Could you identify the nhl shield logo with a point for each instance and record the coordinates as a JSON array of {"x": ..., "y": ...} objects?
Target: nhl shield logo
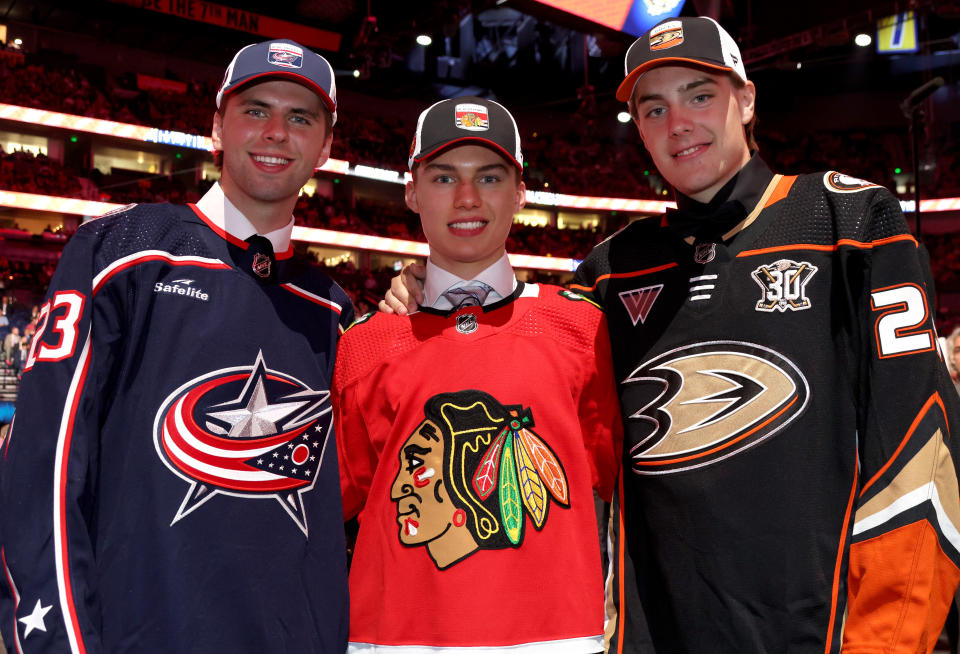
[
  {"x": 784, "y": 285},
  {"x": 247, "y": 432},
  {"x": 261, "y": 265},
  {"x": 467, "y": 323}
]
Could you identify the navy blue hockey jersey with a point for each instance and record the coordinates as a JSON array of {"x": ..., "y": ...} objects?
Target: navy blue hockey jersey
[{"x": 170, "y": 484}]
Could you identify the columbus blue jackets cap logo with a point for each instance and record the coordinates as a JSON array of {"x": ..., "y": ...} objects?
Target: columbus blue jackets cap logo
[
  {"x": 247, "y": 432},
  {"x": 639, "y": 301},
  {"x": 840, "y": 183},
  {"x": 784, "y": 285},
  {"x": 665, "y": 36},
  {"x": 473, "y": 117},
  {"x": 700, "y": 404},
  {"x": 286, "y": 55}
]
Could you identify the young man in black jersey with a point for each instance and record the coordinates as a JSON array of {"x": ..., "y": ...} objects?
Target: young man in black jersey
[{"x": 785, "y": 488}]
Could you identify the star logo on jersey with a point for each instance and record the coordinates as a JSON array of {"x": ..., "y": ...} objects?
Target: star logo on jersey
[
  {"x": 784, "y": 285},
  {"x": 639, "y": 301},
  {"x": 247, "y": 432},
  {"x": 700, "y": 404},
  {"x": 36, "y": 619}
]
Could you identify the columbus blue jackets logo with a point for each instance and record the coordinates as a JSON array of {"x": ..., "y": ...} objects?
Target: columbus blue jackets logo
[
  {"x": 700, "y": 404},
  {"x": 285, "y": 54},
  {"x": 248, "y": 432}
]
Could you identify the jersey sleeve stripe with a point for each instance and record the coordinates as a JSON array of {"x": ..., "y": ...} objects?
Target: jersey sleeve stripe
[
  {"x": 838, "y": 566},
  {"x": 61, "y": 463},
  {"x": 16, "y": 600},
  {"x": 636, "y": 273},
  {"x": 137, "y": 258},
  {"x": 830, "y": 248},
  {"x": 316, "y": 299},
  {"x": 934, "y": 399}
]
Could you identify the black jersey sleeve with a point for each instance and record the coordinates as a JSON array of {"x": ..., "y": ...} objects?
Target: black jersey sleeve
[{"x": 905, "y": 547}]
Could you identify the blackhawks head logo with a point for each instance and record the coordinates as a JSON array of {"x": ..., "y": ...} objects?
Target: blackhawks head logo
[{"x": 469, "y": 476}]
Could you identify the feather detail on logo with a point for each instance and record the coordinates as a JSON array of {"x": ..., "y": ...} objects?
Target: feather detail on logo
[
  {"x": 510, "y": 510},
  {"x": 551, "y": 472},
  {"x": 485, "y": 478},
  {"x": 531, "y": 487}
]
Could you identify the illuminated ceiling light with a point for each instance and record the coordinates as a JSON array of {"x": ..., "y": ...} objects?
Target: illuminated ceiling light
[
  {"x": 424, "y": 40},
  {"x": 799, "y": 65},
  {"x": 356, "y": 72},
  {"x": 863, "y": 40},
  {"x": 623, "y": 117},
  {"x": 18, "y": 41}
]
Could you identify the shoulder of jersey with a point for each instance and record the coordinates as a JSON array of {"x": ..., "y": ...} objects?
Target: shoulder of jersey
[
  {"x": 570, "y": 300},
  {"x": 370, "y": 340},
  {"x": 837, "y": 182},
  {"x": 648, "y": 225}
]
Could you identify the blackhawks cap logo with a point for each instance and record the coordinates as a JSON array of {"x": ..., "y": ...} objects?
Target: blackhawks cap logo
[{"x": 473, "y": 117}]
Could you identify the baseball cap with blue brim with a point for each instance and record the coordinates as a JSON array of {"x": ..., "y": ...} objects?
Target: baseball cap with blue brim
[
  {"x": 689, "y": 40},
  {"x": 465, "y": 120},
  {"x": 284, "y": 59}
]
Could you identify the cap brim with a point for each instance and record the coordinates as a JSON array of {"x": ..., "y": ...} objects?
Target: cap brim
[
  {"x": 436, "y": 149},
  {"x": 300, "y": 79},
  {"x": 625, "y": 90}
]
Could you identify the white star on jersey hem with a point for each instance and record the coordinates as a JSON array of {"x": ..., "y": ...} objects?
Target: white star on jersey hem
[{"x": 35, "y": 619}]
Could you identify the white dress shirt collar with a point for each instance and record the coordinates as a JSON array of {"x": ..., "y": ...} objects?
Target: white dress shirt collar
[
  {"x": 227, "y": 218},
  {"x": 499, "y": 276}
]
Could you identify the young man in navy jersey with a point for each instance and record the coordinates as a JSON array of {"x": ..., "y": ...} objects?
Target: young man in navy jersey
[{"x": 170, "y": 483}]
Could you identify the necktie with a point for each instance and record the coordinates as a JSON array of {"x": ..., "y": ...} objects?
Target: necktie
[
  {"x": 471, "y": 294},
  {"x": 261, "y": 259}
]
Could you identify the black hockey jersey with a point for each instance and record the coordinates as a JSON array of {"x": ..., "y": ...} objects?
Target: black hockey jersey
[
  {"x": 788, "y": 484},
  {"x": 170, "y": 483}
]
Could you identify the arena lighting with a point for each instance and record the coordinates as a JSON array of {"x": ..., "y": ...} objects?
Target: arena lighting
[
  {"x": 356, "y": 72},
  {"x": 623, "y": 117},
  {"x": 424, "y": 40},
  {"x": 863, "y": 39}
]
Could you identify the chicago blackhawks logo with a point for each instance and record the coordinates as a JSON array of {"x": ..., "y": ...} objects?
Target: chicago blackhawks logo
[
  {"x": 469, "y": 476},
  {"x": 784, "y": 285},
  {"x": 700, "y": 404},
  {"x": 248, "y": 432}
]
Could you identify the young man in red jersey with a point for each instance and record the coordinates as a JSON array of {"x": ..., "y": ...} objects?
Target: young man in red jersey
[{"x": 472, "y": 433}]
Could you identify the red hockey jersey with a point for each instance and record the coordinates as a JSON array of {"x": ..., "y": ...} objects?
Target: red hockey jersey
[{"x": 469, "y": 443}]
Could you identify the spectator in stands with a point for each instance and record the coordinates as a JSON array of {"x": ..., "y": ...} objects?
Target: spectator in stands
[{"x": 10, "y": 343}]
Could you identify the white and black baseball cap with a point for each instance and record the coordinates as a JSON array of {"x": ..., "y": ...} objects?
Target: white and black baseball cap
[
  {"x": 695, "y": 40},
  {"x": 464, "y": 120},
  {"x": 286, "y": 59}
]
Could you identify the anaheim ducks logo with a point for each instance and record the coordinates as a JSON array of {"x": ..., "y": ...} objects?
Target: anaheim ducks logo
[
  {"x": 703, "y": 403},
  {"x": 247, "y": 432},
  {"x": 840, "y": 183}
]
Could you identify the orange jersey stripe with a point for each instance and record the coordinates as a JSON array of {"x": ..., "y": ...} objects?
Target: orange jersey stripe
[
  {"x": 635, "y": 273},
  {"x": 830, "y": 248}
]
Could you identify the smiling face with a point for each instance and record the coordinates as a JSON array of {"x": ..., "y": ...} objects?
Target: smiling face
[
  {"x": 691, "y": 121},
  {"x": 466, "y": 197},
  {"x": 273, "y": 136}
]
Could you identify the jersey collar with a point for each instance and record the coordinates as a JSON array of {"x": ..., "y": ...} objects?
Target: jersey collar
[{"x": 223, "y": 217}]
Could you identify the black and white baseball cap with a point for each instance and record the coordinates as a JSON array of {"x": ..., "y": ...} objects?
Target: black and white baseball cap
[
  {"x": 460, "y": 121},
  {"x": 286, "y": 59},
  {"x": 696, "y": 40}
]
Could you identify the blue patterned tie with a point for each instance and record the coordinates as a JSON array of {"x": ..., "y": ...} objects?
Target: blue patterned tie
[{"x": 470, "y": 294}]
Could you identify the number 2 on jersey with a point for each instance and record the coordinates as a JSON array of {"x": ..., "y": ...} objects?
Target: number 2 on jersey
[
  {"x": 65, "y": 326},
  {"x": 899, "y": 328}
]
